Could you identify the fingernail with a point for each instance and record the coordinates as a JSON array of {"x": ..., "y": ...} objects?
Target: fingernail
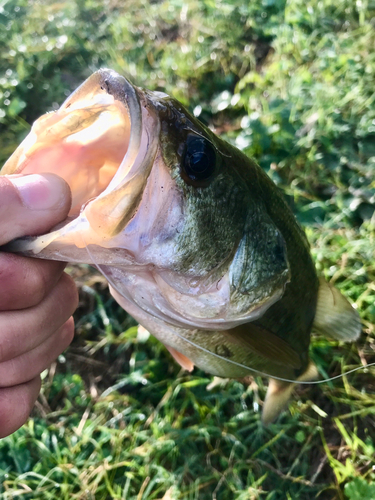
[{"x": 41, "y": 191}]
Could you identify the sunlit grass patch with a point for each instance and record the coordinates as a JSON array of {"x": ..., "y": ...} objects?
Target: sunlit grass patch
[{"x": 291, "y": 83}]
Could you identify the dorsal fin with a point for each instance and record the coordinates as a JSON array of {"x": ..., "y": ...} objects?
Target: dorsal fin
[
  {"x": 335, "y": 317},
  {"x": 265, "y": 343}
]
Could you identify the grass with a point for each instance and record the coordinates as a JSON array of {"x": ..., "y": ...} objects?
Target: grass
[{"x": 291, "y": 83}]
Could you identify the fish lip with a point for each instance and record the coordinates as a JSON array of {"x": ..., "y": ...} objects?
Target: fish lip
[
  {"x": 110, "y": 203},
  {"x": 121, "y": 89},
  {"x": 124, "y": 91},
  {"x": 138, "y": 160},
  {"x": 116, "y": 85}
]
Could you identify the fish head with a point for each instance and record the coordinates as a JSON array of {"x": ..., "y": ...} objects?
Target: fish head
[{"x": 160, "y": 205}]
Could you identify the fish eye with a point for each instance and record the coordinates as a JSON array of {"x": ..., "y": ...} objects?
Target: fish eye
[{"x": 198, "y": 161}]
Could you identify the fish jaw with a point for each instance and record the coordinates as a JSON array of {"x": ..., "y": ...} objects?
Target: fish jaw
[{"x": 102, "y": 141}]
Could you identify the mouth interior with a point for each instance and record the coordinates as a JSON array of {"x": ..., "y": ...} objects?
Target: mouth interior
[{"x": 83, "y": 142}]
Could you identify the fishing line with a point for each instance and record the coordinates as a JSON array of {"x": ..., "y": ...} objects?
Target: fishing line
[
  {"x": 227, "y": 360},
  {"x": 263, "y": 374}
]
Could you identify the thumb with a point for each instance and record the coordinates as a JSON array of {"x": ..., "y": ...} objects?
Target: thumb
[{"x": 31, "y": 204}]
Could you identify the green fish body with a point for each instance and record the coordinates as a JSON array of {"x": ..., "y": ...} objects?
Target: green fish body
[{"x": 195, "y": 240}]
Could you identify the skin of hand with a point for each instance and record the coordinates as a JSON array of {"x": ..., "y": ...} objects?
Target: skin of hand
[{"x": 37, "y": 299}]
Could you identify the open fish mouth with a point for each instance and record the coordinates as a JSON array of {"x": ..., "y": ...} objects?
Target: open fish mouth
[{"x": 101, "y": 142}]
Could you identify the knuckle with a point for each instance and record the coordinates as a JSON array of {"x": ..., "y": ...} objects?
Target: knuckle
[
  {"x": 41, "y": 277},
  {"x": 25, "y": 282},
  {"x": 62, "y": 302},
  {"x": 36, "y": 283},
  {"x": 9, "y": 193},
  {"x": 6, "y": 267},
  {"x": 10, "y": 268},
  {"x": 10, "y": 203},
  {"x": 8, "y": 343},
  {"x": 16, "y": 404},
  {"x": 6, "y": 412},
  {"x": 67, "y": 333},
  {"x": 70, "y": 293},
  {"x": 9, "y": 373}
]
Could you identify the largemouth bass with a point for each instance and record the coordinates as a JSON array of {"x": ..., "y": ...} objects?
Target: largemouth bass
[{"x": 195, "y": 240}]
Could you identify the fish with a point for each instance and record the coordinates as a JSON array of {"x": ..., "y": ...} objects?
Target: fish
[{"x": 196, "y": 241}]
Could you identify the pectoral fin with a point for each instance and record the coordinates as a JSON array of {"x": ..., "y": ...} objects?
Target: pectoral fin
[
  {"x": 335, "y": 317},
  {"x": 279, "y": 392},
  {"x": 265, "y": 344},
  {"x": 181, "y": 359}
]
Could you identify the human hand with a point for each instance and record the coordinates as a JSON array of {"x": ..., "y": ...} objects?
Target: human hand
[{"x": 37, "y": 298}]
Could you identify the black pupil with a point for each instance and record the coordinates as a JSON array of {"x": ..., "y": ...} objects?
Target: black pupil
[{"x": 199, "y": 158}]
